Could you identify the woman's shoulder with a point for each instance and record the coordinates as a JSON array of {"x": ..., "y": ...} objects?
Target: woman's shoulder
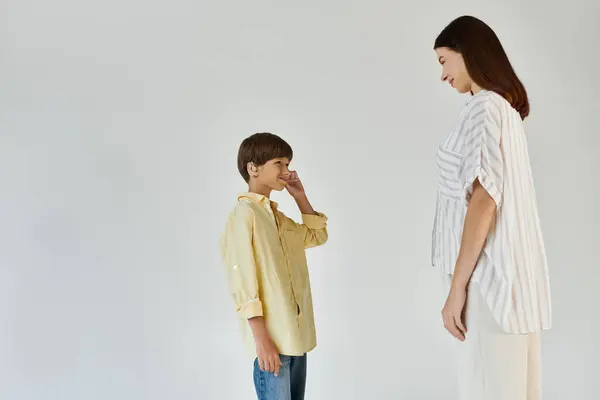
[
  {"x": 487, "y": 98},
  {"x": 487, "y": 102}
]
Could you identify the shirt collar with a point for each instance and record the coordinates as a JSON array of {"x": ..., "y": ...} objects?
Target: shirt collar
[
  {"x": 258, "y": 198},
  {"x": 472, "y": 96}
]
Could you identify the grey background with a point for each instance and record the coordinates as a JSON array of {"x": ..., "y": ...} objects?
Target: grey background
[{"x": 119, "y": 126}]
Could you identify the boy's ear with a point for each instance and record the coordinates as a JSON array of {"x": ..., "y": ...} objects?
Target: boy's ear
[{"x": 252, "y": 170}]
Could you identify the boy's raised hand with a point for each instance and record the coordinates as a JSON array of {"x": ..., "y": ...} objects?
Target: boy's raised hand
[{"x": 293, "y": 184}]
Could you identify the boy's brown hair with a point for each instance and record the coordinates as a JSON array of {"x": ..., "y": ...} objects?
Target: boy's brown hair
[{"x": 260, "y": 148}]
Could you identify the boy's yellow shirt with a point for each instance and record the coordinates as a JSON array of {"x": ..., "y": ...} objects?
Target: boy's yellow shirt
[{"x": 263, "y": 253}]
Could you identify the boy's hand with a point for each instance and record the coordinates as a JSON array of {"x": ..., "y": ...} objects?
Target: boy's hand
[
  {"x": 293, "y": 184},
  {"x": 266, "y": 351},
  {"x": 268, "y": 356}
]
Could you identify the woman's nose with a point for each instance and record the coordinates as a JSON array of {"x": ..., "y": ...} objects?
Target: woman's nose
[{"x": 444, "y": 76}]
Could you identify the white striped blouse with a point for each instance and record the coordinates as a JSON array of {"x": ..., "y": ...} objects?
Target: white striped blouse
[{"x": 489, "y": 144}]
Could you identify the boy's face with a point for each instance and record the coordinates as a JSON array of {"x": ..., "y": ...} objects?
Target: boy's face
[{"x": 270, "y": 173}]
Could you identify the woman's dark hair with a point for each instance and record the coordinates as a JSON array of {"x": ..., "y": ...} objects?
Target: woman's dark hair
[{"x": 485, "y": 59}]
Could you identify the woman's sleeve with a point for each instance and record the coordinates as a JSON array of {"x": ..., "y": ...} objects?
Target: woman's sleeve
[{"x": 483, "y": 159}]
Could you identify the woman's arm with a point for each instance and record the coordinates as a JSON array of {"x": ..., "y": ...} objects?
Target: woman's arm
[{"x": 478, "y": 221}]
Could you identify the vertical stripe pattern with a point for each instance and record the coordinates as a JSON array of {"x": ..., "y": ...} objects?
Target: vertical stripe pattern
[{"x": 489, "y": 144}]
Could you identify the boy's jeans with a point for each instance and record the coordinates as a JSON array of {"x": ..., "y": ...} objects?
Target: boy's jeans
[{"x": 290, "y": 383}]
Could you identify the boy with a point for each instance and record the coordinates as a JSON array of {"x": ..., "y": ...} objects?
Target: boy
[{"x": 265, "y": 263}]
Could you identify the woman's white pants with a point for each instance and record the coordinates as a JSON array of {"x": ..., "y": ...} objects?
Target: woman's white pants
[{"x": 492, "y": 364}]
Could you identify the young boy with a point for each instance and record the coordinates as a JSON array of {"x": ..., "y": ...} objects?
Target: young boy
[{"x": 265, "y": 263}]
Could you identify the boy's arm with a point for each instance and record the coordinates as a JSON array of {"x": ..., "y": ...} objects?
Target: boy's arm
[
  {"x": 240, "y": 264},
  {"x": 314, "y": 224},
  {"x": 304, "y": 205},
  {"x": 268, "y": 355}
]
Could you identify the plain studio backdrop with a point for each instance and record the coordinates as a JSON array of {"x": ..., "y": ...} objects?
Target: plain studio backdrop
[{"x": 119, "y": 127}]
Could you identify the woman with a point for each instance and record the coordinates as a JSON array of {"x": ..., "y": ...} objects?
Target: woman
[{"x": 487, "y": 239}]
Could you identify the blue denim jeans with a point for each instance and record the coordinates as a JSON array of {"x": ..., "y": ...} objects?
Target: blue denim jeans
[{"x": 288, "y": 385}]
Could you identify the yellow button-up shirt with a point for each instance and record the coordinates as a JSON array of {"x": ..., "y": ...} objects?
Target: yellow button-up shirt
[{"x": 264, "y": 257}]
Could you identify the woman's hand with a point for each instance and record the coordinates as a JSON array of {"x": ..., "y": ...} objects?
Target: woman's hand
[{"x": 452, "y": 312}]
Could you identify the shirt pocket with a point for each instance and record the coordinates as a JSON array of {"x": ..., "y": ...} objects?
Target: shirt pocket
[{"x": 448, "y": 163}]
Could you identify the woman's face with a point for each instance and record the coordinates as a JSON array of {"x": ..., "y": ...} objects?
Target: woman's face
[{"x": 454, "y": 70}]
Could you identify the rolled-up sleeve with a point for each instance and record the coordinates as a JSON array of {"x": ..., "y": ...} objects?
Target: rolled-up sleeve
[
  {"x": 314, "y": 229},
  {"x": 239, "y": 262},
  {"x": 483, "y": 159}
]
